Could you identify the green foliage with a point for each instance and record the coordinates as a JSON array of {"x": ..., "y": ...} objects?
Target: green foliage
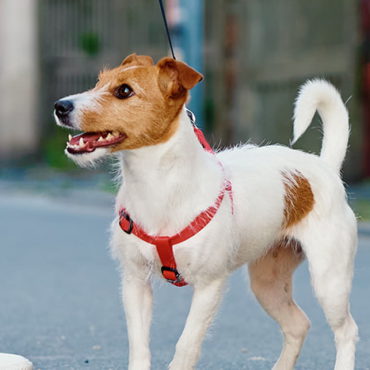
[
  {"x": 53, "y": 151},
  {"x": 361, "y": 207},
  {"x": 90, "y": 43}
]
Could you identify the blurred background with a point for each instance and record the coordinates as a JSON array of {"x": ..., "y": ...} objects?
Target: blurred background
[{"x": 254, "y": 54}]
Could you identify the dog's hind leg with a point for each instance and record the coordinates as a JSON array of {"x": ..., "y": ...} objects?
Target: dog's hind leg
[
  {"x": 330, "y": 253},
  {"x": 271, "y": 282},
  {"x": 206, "y": 298}
]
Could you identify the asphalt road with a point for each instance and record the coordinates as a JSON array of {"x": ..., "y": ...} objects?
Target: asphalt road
[{"x": 60, "y": 301}]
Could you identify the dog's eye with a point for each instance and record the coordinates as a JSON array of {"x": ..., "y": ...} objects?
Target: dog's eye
[{"x": 123, "y": 92}]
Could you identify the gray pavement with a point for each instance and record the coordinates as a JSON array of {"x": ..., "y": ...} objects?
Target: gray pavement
[{"x": 60, "y": 301}]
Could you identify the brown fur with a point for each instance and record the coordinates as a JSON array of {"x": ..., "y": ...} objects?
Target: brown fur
[
  {"x": 133, "y": 59},
  {"x": 299, "y": 198},
  {"x": 149, "y": 116}
]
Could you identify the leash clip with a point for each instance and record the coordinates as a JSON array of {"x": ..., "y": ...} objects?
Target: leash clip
[{"x": 191, "y": 116}]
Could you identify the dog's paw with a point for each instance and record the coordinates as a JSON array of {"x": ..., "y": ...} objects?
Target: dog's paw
[{"x": 139, "y": 365}]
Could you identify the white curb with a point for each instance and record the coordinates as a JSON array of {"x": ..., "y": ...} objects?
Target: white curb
[{"x": 14, "y": 362}]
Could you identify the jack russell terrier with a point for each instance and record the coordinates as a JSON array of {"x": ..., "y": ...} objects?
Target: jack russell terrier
[{"x": 193, "y": 216}]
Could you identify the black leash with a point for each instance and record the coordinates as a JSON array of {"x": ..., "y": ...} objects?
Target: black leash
[
  {"x": 166, "y": 26},
  {"x": 188, "y": 111}
]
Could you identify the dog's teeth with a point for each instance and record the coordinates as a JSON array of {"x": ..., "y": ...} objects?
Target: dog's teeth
[
  {"x": 109, "y": 137},
  {"x": 69, "y": 137},
  {"x": 81, "y": 142},
  {"x": 100, "y": 138},
  {"x": 115, "y": 133}
]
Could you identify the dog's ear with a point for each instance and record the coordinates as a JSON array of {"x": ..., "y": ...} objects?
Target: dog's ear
[
  {"x": 175, "y": 77},
  {"x": 138, "y": 60}
]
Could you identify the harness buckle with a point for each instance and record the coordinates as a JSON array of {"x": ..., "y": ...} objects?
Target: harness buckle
[
  {"x": 126, "y": 222},
  {"x": 171, "y": 275}
]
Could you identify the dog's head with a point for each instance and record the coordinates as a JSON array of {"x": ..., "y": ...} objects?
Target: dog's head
[{"x": 131, "y": 106}]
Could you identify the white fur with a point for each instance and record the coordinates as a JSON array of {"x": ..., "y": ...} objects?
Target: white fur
[
  {"x": 165, "y": 186},
  {"x": 87, "y": 159},
  {"x": 131, "y": 67},
  {"x": 322, "y": 96}
]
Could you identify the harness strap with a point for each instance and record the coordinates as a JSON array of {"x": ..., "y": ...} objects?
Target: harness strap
[
  {"x": 202, "y": 139},
  {"x": 164, "y": 244}
]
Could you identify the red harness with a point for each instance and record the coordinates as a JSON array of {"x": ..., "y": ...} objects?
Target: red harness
[{"x": 164, "y": 244}]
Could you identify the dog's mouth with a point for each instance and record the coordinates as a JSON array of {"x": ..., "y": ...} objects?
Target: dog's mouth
[{"x": 87, "y": 142}]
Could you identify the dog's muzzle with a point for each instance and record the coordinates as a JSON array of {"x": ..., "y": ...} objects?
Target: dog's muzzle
[{"x": 63, "y": 108}]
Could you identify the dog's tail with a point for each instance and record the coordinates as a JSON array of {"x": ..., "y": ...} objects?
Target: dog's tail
[{"x": 320, "y": 95}]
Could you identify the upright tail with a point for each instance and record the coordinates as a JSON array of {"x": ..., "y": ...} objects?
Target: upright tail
[{"x": 320, "y": 95}]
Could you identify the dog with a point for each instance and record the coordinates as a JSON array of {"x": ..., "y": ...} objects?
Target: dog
[{"x": 194, "y": 216}]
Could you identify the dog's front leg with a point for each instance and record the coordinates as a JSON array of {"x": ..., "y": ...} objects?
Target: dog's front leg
[
  {"x": 137, "y": 301},
  {"x": 206, "y": 298}
]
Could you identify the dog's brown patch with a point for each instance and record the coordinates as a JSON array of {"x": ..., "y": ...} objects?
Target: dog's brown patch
[
  {"x": 133, "y": 59},
  {"x": 149, "y": 116},
  {"x": 299, "y": 198}
]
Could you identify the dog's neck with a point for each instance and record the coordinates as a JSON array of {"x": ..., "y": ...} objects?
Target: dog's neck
[{"x": 166, "y": 185}]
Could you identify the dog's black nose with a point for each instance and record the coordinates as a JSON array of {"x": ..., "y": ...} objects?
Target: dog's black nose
[{"x": 63, "y": 108}]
